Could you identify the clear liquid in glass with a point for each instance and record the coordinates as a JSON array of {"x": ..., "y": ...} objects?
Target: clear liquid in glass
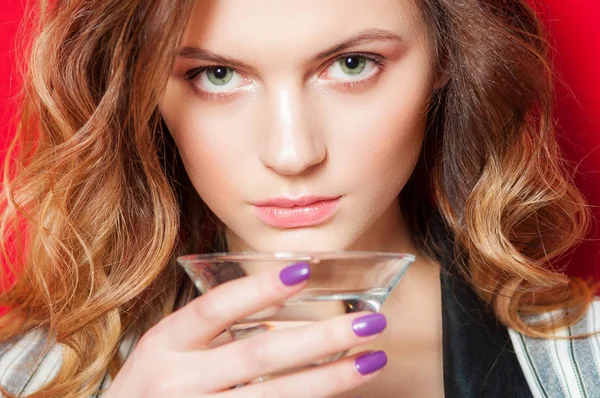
[{"x": 309, "y": 307}]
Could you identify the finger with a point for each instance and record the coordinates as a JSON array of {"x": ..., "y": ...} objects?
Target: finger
[
  {"x": 321, "y": 381},
  {"x": 277, "y": 351},
  {"x": 207, "y": 316},
  {"x": 220, "y": 340}
]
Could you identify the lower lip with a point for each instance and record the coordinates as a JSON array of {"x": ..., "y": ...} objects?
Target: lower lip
[{"x": 298, "y": 216}]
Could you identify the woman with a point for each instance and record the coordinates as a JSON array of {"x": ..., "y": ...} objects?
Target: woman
[{"x": 156, "y": 128}]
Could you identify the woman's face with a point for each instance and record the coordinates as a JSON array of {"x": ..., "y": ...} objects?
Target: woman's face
[{"x": 300, "y": 121}]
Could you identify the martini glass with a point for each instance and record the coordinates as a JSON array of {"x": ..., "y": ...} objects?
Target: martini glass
[{"x": 341, "y": 282}]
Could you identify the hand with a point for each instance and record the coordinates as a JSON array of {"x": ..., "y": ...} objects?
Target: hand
[{"x": 175, "y": 358}]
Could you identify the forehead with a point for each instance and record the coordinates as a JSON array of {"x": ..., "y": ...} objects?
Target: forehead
[{"x": 251, "y": 27}]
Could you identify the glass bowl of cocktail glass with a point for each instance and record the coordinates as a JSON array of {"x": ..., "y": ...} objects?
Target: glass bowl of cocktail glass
[{"x": 340, "y": 282}]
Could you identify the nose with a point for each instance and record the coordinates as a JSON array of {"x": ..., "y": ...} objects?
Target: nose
[{"x": 290, "y": 146}]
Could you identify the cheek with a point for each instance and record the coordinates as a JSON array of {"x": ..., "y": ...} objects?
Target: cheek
[
  {"x": 381, "y": 141},
  {"x": 211, "y": 154}
]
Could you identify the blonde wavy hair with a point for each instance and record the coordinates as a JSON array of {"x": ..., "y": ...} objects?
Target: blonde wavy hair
[{"x": 93, "y": 189}]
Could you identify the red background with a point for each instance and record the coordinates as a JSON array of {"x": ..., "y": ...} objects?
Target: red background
[{"x": 575, "y": 28}]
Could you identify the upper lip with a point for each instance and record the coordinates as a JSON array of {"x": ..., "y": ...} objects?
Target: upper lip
[{"x": 291, "y": 202}]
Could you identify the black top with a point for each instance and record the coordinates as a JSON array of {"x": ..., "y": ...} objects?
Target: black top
[{"x": 479, "y": 360}]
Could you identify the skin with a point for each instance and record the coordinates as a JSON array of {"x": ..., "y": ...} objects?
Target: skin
[{"x": 292, "y": 123}]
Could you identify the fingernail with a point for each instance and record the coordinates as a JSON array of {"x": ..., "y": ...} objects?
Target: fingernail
[
  {"x": 295, "y": 274},
  {"x": 370, "y": 362},
  {"x": 369, "y": 325}
]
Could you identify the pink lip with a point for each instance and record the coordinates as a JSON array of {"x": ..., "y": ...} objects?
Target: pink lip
[{"x": 305, "y": 211}]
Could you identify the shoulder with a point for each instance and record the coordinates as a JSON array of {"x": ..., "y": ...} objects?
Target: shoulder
[
  {"x": 563, "y": 367},
  {"x": 28, "y": 362}
]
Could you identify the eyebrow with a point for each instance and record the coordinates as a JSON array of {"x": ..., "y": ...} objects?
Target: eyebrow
[{"x": 363, "y": 37}]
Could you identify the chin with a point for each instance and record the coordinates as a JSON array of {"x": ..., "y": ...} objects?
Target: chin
[{"x": 300, "y": 240}]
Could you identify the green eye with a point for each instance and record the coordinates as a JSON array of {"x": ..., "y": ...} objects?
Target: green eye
[
  {"x": 219, "y": 75},
  {"x": 353, "y": 65}
]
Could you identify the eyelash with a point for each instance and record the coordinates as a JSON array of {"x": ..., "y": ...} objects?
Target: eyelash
[{"x": 378, "y": 60}]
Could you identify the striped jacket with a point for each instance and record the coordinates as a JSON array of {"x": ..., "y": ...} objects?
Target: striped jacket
[
  {"x": 567, "y": 368},
  {"x": 553, "y": 368}
]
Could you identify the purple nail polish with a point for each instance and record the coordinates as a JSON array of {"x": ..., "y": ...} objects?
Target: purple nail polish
[
  {"x": 369, "y": 325},
  {"x": 370, "y": 362},
  {"x": 295, "y": 274}
]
